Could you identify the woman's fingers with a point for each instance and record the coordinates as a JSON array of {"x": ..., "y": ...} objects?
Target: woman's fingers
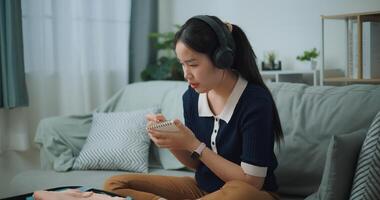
[
  {"x": 159, "y": 134},
  {"x": 152, "y": 138},
  {"x": 155, "y": 117},
  {"x": 180, "y": 125},
  {"x": 160, "y": 139},
  {"x": 160, "y": 118},
  {"x": 150, "y": 123},
  {"x": 150, "y": 117}
]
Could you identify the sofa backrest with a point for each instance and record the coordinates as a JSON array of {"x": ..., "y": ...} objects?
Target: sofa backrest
[
  {"x": 310, "y": 116},
  {"x": 167, "y": 95}
]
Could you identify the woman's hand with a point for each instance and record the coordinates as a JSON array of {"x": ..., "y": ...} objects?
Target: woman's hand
[
  {"x": 184, "y": 139},
  {"x": 152, "y": 118},
  {"x": 180, "y": 143}
]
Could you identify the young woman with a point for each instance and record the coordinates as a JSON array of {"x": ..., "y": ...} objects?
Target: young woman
[{"x": 231, "y": 122}]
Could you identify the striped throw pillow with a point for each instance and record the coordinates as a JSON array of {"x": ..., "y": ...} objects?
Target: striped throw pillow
[
  {"x": 117, "y": 141},
  {"x": 367, "y": 176}
]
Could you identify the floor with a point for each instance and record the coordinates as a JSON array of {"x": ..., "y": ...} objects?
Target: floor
[{"x": 12, "y": 163}]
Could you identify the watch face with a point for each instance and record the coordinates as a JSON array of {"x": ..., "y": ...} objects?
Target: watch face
[{"x": 195, "y": 155}]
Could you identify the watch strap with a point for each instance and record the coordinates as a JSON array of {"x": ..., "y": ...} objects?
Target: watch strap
[{"x": 198, "y": 151}]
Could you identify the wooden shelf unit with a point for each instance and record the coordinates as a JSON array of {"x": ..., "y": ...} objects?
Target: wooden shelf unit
[
  {"x": 360, "y": 17},
  {"x": 295, "y": 76}
]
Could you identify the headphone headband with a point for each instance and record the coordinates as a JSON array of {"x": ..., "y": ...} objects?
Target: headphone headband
[{"x": 224, "y": 54}]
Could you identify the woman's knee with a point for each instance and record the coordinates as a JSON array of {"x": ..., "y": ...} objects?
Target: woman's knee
[
  {"x": 238, "y": 184},
  {"x": 118, "y": 182},
  {"x": 241, "y": 187},
  {"x": 110, "y": 183},
  {"x": 243, "y": 190},
  {"x": 234, "y": 190}
]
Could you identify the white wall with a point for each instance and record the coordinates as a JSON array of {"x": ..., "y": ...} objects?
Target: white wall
[
  {"x": 14, "y": 135},
  {"x": 289, "y": 27}
]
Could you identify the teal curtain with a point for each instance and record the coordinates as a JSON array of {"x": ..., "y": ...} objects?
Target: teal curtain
[
  {"x": 144, "y": 20},
  {"x": 12, "y": 74}
]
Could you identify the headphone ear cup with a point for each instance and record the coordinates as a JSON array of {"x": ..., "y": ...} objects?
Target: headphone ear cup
[{"x": 223, "y": 57}]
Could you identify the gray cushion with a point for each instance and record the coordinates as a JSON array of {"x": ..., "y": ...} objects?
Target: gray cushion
[
  {"x": 310, "y": 116},
  {"x": 342, "y": 155},
  {"x": 367, "y": 175},
  {"x": 166, "y": 94},
  {"x": 117, "y": 141}
]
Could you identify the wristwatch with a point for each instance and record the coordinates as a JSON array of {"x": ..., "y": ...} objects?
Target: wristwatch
[{"x": 198, "y": 151}]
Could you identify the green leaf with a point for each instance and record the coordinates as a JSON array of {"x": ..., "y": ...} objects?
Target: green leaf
[
  {"x": 166, "y": 66},
  {"x": 308, "y": 55}
]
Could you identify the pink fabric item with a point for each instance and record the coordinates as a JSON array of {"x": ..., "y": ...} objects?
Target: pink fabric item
[{"x": 72, "y": 194}]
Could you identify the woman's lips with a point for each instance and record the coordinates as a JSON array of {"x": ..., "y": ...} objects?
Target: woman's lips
[{"x": 194, "y": 85}]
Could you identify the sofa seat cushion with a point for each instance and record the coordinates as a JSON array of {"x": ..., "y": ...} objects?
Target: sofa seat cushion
[{"x": 32, "y": 180}]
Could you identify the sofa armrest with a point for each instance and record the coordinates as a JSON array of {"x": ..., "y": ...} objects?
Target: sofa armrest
[{"x": 60, "y": 140}]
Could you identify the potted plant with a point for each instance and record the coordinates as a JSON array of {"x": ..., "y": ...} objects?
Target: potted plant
[
  {"x": 269, "y": 62},
  {"x": 166, "y": 66},
  {"x": 309, "y": 56}
]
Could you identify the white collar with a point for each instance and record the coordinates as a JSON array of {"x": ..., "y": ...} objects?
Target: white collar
[{"x": 205, "y": 111}]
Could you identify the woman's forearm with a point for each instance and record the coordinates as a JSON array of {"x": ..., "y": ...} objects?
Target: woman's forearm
[{"x": 184, "y": 157}]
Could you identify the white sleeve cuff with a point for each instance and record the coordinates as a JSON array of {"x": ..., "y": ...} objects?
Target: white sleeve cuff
[{"x": 254, "y": 170}]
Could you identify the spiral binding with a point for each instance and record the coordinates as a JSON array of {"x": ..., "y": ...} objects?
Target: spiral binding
[{"x": 161, "y": 125}]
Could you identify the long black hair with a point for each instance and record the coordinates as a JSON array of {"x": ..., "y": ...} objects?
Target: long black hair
[{"x": 199, "y": 36}]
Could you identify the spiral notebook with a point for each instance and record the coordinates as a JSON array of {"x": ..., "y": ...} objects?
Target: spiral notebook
[{"x": 167, "y": 126}]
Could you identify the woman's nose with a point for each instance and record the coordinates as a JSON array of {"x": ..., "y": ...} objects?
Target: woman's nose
[{"x": 186, "y": 73}]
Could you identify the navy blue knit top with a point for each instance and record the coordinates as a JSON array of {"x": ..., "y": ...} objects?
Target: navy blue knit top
[{"x": 242, "y": 133}]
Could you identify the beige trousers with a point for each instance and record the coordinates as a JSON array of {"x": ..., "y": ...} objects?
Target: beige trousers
[{"x": 154, "y": 187}]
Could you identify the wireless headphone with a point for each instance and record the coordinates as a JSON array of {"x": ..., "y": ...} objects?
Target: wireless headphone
[{"x": 223, "y": 56}]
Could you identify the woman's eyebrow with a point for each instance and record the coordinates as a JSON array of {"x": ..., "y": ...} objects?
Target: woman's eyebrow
[{"x": 189, "y": 60}]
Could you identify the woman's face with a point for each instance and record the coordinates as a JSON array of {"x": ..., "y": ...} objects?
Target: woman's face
[{"x": 198, "y": 69}]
